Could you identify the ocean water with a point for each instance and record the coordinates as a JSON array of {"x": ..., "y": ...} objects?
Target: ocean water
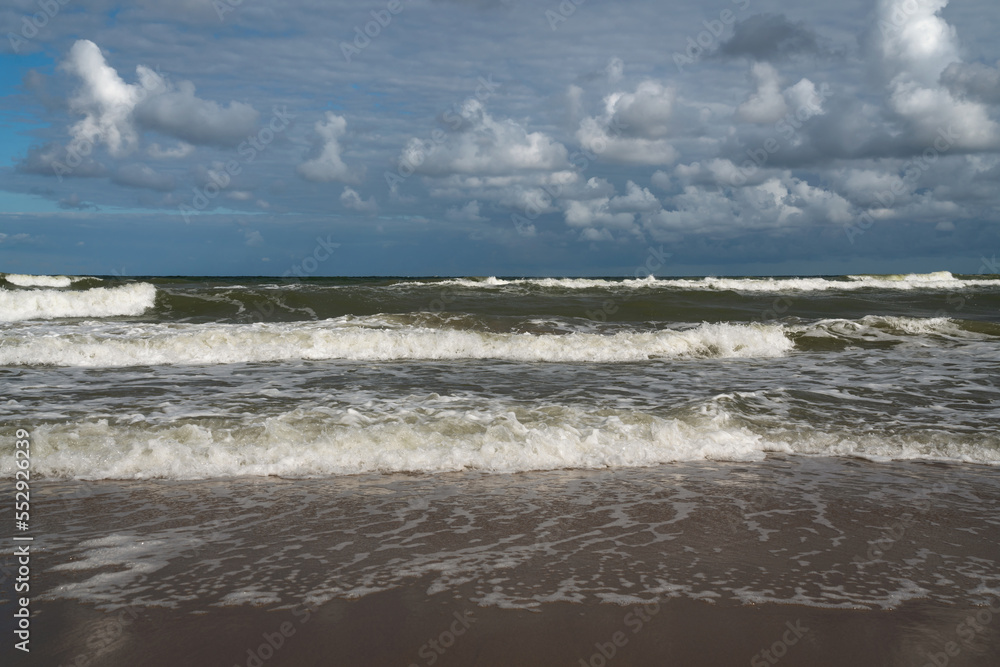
[
  {"x": 204, "y": 442},
  {"x": 188, "y": 378}
]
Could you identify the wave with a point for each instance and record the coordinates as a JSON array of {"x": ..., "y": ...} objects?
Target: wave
[
  {"x": 104, "y": 345},
  {"x": 433, "y": 337},
  {"x": 431, "y": 436},
  {"x": 939, "y": 280},
  {"x": 23, "y": 280},
  {"x": 895, "y": 329},
  {"x": 45, "y": 304}
]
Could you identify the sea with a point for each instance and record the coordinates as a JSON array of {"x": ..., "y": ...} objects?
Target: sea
[{"x": 510, "y": 442}]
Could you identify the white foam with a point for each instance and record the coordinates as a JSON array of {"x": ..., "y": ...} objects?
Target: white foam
[
  {"x": 131, "y": 299},
  {"x": 23, "y": 280},
  {"x": 937, "y": 280},
  {"x": 427, "y": 436},
  {"x": 888, "y": 327},
  {"x": 321, "y": 441},
  {"x": 97, "y": 345}
]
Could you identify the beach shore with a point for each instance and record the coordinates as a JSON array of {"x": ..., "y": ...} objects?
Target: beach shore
[
  {"x": 405, "y": 626},
  {"x": 790, "y": 560}
]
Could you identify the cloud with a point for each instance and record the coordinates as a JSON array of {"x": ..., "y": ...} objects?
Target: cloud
[
  {"x": 597, "y": 210},
  {"x": 633, "y": 127},
  {"x": 253, "y": 237},
  {"x": 974, "y": 81},
  {"x": 467, "y": 213},
  {"x": 104, "y": 99},
  {"x": 73, "y": 201},
  {"x": 55, "y": 160},
  {"x": 178, "y": 113},
  {"x": 635, "y": 199},
  {"x": 646, "y": 113},
  {"x": 780, "y": 202},
  {"x": 350, "y": 198},
  {"x": 615, "y": 69},
  {"x": 143, "y": 176},
  {"x": 598, "y": 213},
  {"x": 916, "y": 47},
  {"x": 114, "y": 111},
  {"x": 327, "y": 165},
  {"x": 766, "y": 104},
  {"x": 485, "y": 146},
  {"x": 180, "y": 150},
  {"x": 769, "y": 37}
]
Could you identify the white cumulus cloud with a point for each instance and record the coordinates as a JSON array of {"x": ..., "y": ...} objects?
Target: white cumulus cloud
[{"x": 327, "y": 165}]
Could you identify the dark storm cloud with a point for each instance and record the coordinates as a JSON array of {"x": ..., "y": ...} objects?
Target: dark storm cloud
[
  {"x": 973, "y": 80},
  {"x": 769, "y": 37}
]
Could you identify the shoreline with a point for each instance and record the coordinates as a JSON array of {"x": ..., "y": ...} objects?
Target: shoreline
[{"x": 823, "y": 561}]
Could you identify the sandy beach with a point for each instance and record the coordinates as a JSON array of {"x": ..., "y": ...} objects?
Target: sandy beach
[{"x": 792, "y": 561}]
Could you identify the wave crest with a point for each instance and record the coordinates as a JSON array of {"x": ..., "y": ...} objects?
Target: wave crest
[
  {"x": 350, "y": 338},
  {"x": 44, "y": 304}
]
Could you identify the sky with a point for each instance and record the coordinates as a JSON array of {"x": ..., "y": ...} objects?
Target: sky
[{"x": 499, "y": 137}]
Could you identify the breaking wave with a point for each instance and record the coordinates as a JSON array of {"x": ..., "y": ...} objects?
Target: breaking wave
[
  {"x": 22, "y": 280},
  {"x": 47, "y": 304},
  {"x": 107, "y": 345},
  {"x": 942, "y": 280}
]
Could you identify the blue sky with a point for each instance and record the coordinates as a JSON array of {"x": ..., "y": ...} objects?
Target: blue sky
[{"x": 504, "y": 137}]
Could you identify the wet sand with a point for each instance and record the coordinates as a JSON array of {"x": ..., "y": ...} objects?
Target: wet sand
[
  {"x": 406, "y": 627},
  {"x": 790, "y": 561}
]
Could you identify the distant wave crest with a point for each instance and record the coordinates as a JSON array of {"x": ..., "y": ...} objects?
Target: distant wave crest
[{"x": 935, "y": 280}]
